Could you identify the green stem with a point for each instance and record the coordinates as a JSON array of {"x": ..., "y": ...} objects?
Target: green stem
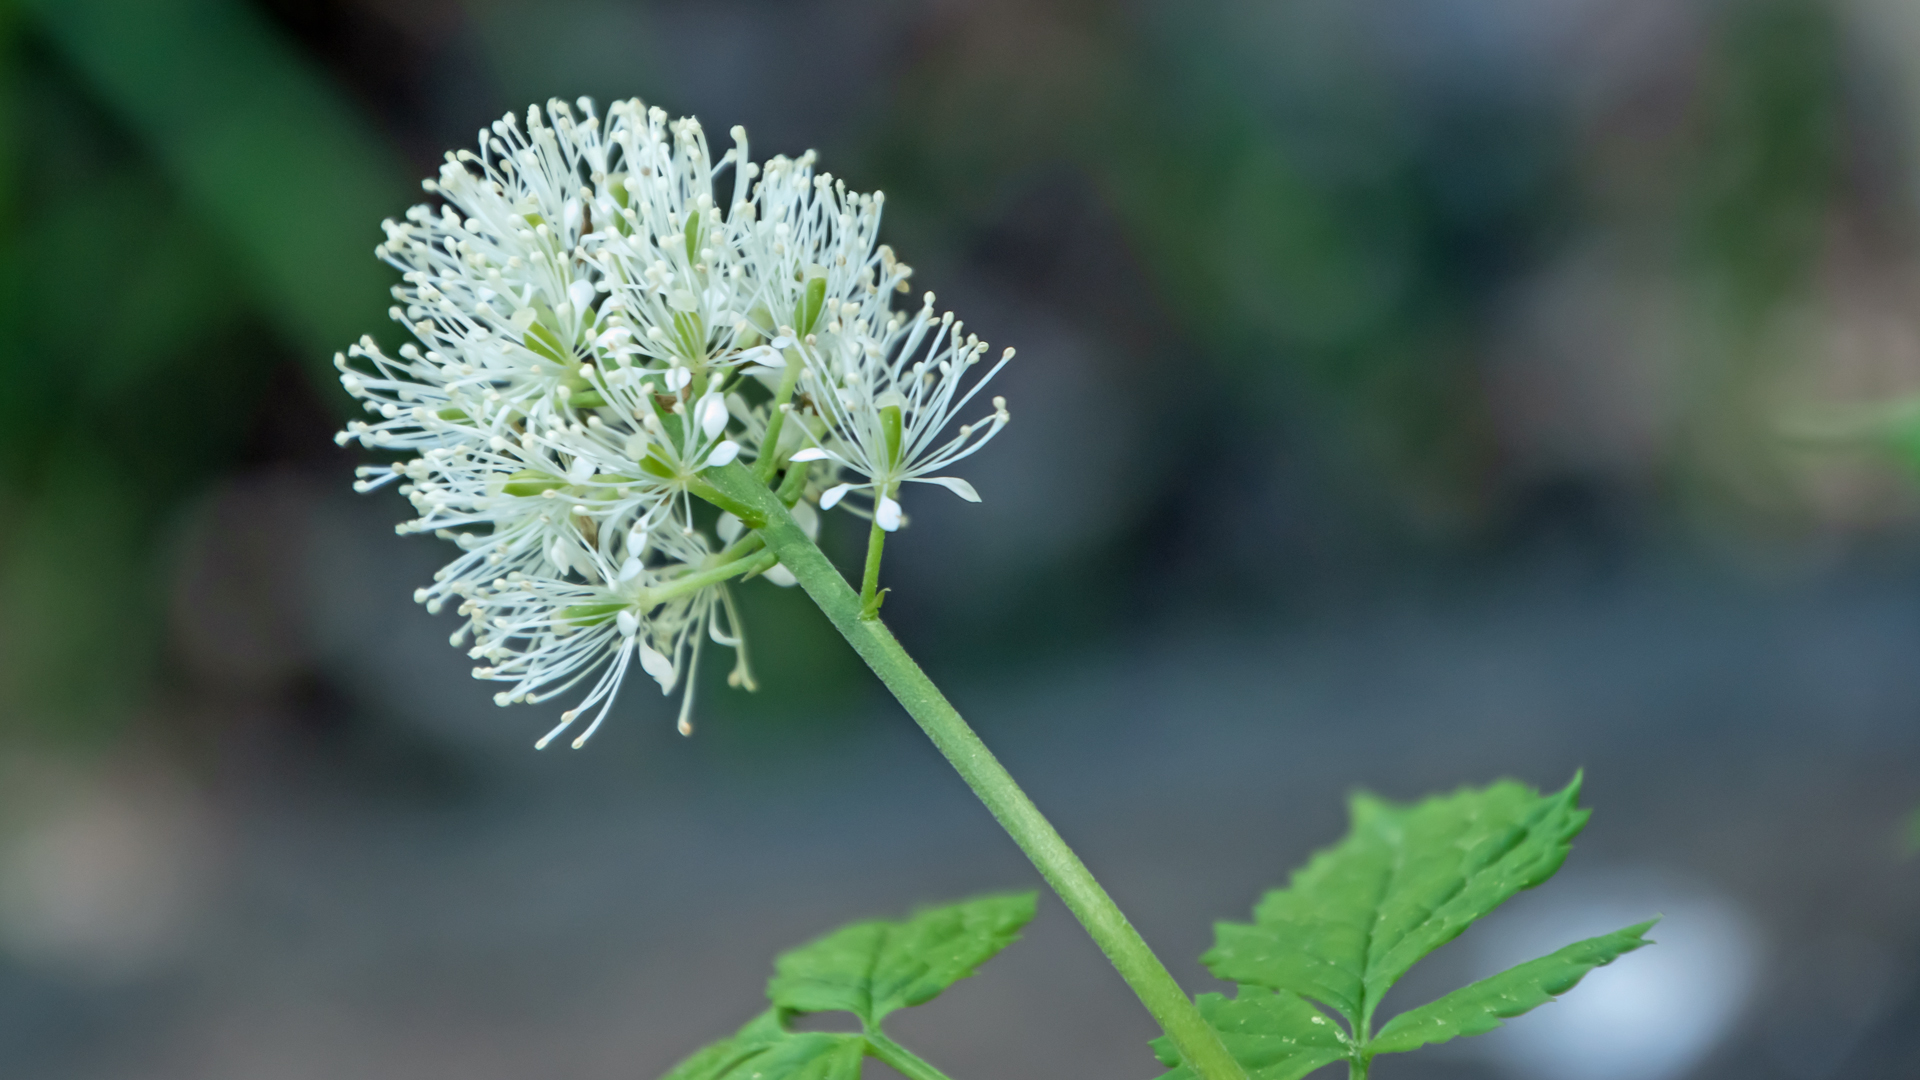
[
  {"x": 1357, "y": 1067},
  {"x": 700, "y": 489},
  {"x": 741, "y": 548},
  {"x": 792, "y": 484},
  {"x": 908, "y": 1063},
  {"x": 770, "y": 446},
  {"x": 752, "y": 564},
  {"x": 870, "y": 579},
  {"x": 1198, "y": 1042}
]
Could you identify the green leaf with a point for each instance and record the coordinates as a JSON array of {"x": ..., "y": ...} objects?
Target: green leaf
[
  {"x": 869, "y": 969},
  {"x": 1406, "y": 880},
  {"x": 1479, "y": 1007},
  {"x": 765, "y": 1050},
  {"x": 814, "y": 1055},
  {"x": 872, "y": 968},
  {"x": 1272, "y": 1036}
]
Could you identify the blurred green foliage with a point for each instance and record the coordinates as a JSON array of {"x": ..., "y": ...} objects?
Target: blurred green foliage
[
  {"x": 187, "y": 202},
  {"x": 1282, "y": 206},
  {"x": 256, "y": 141},
  {"x": 1771, "y": 152},
  {"x": 1756, "y": 218},
  {"x": 1312, "y": 240},
  {"x": 1268, "y": 175}
]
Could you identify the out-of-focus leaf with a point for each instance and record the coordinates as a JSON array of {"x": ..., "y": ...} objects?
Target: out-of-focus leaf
[
  {"x": 9, "y": 122},
  {"x": 1311, "y": 249},
  {"x": 252, "y": 189},
  {"x": 1773, "y": 149},
  {"x": 1272, "y": 1036},
  {"x": 872, "y": 968},
  {"x": 125, "y": 380},
  {"x": 257, "y": 142},
  {"x": 1479, "y": 1007},
  {"x": 1405, "y": 881},
  {"x": 99, "y": 325},
  {"x": 77, "y": 636}
]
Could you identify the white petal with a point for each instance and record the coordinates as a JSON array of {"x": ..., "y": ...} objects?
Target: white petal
[
  {"x": 580, "y": 471},
  {"x": 887, "y": 514},
  {"x": 780, "y": 576},
  {"x": 722, "y": 454},
  {"x": 631, "y": 568},
  {"x": 713, "y": 414},
  {"x": 831, "y": 497},
  {"x": 581, "y": 293},
  {"x": 782, "y": 342},
  {"x": 628, "y": 622},
  {"x": 952, "y": 483},
  {"x": 811, "y": 453},
  {"x": 636, "y": 542},
  {"x": 676, "y": 378},
  {"x": 729, "y": 527},
  {"x": 657, "y": 666}
]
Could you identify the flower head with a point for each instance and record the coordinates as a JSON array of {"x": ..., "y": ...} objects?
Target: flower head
[{"x": 602, "y": 310}]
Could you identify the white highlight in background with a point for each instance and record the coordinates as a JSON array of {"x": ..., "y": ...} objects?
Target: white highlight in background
[{"x": 1650, "y": 1015}]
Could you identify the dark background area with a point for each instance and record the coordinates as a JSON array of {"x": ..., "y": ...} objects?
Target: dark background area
[{"x": 1410, "y": 393}]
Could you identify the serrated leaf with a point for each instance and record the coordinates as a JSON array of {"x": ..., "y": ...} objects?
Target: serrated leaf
[
  {"x": 715, "y": 1059},
  {"x": 1406, "y": 880},
  {"x": 1273, "y": 1036},
  {"x": 1479, "y": 1007},
  {"x": 765, "y": 1050},
  {"x": 815, "y": 1055},
  {"x": 872, "y": 968}
]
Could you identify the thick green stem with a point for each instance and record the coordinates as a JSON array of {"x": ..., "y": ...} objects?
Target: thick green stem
[
  {"x": 1197, "y": 1041},
  {"x": 906, "y": 1061},
  {"x": 1358, "y": 1067}
]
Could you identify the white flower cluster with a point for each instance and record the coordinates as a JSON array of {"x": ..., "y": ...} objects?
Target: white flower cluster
[{"x": 596, "y": 327}]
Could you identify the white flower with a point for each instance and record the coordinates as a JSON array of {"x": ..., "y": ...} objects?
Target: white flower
[
  {"x": 546, "y": 634},
  {"x": 888, "y": 399},
  {"x": 597, "y": 324},
  {"x": 812, "y": 255}
]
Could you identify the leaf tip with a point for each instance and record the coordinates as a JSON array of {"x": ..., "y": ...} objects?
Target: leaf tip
[{"x": 1363, "y": 806}]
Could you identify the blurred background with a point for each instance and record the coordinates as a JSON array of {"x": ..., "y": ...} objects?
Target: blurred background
[{"x": 1411, "y": 393}]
